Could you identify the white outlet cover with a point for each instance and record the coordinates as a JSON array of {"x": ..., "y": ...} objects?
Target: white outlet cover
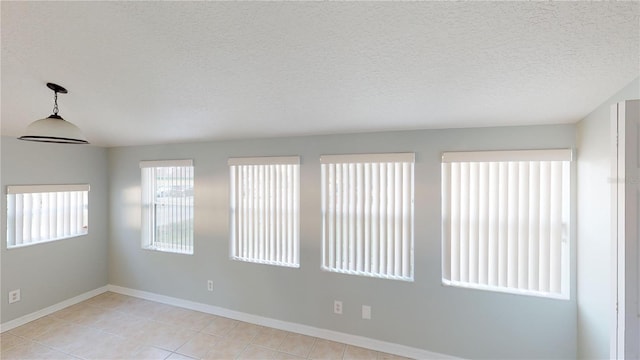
[
  {"x": 366, "y": 312},
  {"x": 14, "y": 296},
  {"x": 337, "y": 307}
]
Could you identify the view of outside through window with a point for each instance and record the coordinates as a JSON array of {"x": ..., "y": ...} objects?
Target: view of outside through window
[{"x": 173, "y": 209}]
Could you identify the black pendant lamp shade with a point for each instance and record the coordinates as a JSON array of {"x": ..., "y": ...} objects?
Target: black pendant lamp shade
[{"x": 54, "y": 129}]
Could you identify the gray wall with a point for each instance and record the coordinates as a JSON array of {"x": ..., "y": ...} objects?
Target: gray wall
[
  {"x": 56, "y": 271},
  {"x": 594, "y": 227},
  {"x": 423, "y": 313}
]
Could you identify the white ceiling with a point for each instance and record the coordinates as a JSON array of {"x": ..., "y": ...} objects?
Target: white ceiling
[{"x": 164, "y": 72}]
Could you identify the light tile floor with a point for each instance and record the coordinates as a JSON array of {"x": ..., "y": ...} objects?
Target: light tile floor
[{"x": 115, "y": 326}]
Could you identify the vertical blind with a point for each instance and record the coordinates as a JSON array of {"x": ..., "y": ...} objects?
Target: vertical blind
[
  {"x": 167, "y": 205},
  {"x": 367, "y": 214},
  {"x": 505, "y": 220},
  {"x": 40, "y": 213},
  {"x": 265, "y": 210}
]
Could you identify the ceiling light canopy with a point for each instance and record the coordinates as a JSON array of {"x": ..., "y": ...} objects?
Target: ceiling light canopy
[{"x": 54, "y": 129}]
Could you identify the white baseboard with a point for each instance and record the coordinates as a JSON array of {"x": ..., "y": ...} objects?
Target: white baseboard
[
  {"x": 51, "y": 309},
  {"x": 354, "y": 340}
]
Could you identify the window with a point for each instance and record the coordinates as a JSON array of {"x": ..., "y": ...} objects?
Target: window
[
  {"x": 265, "y": 210},
  {"x": 367, "y": 214},
  {"x": 41, "y": 213},
  {"x": 505, "y": 221},
  {"x": 167, "y": 205}
]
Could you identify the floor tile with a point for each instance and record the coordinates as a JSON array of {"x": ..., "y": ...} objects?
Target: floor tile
[
  {"x": 33, "y": 350},
  {"x": 110, "y": 300},
  {"x": 176, "y": 356},
  {"x": 164, "y": 336},
  {"x": 8, "y": 340},
  {"x": 255, "y": 352},
  {"x": 86, "y": 315},
  {"x": 193, "y": 320},
  {"x": 199, "y": 346},
  {"x": 244, "y": 331},
  {"x": 270, "y": 338},
  {"x": 37, "y": 327},
  {"x": 100, "y": 299},
  {"x": 220, "y": 326},
  {"x": 113, "y": 322},
  {"x": 108, "y": 346},
  {"x": 151, "y": 353},
  {"x": 71, "y": 311},
  {"x": 69, "y": 338},
  {"x": 297, "y": 344},
  {"x": 354, "y": 353},
  {"x": 226, "y": 348},
  {"x": 146, "y": 309},
  {"x": 325, "y": 350},
  {"x": 284, "y": 356}
]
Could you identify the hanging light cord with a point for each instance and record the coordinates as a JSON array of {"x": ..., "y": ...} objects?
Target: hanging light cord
[{"x": 55, "y": 102}]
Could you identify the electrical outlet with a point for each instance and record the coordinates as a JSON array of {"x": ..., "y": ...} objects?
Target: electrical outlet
[
  {"x": 14, "y": 296},
  {"x": 337, "y": 307},
  {"x": 366, "y": 312},
  {"x": 210, "y": 285}
]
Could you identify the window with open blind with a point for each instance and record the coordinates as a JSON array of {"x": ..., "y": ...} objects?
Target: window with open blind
[
  {"x": 41, "y": 213},
  {"x": 367, "y": 214},
  {"x": 167, "y": 205},
  {"x": 505, "y": 221},
  {"x": 265, "y": 210}
]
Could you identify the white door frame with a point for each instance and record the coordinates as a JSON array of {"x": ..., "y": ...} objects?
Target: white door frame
[{"x": 625, "y": 197}]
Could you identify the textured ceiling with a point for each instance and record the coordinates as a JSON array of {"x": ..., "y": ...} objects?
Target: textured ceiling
[{"x": 163, "y": 72}]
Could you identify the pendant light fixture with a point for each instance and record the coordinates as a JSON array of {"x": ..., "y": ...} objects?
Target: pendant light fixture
[{"x": 54, "y": 129}]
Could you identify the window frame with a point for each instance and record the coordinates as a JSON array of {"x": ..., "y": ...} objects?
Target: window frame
[
  {"x": 380, "y": 238},
  {"x": 274, "y": 239},
  {"x": 81, "y": 219},
  {"x": 149, "y": 197},
  {"x": 516, "y": 224}
]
